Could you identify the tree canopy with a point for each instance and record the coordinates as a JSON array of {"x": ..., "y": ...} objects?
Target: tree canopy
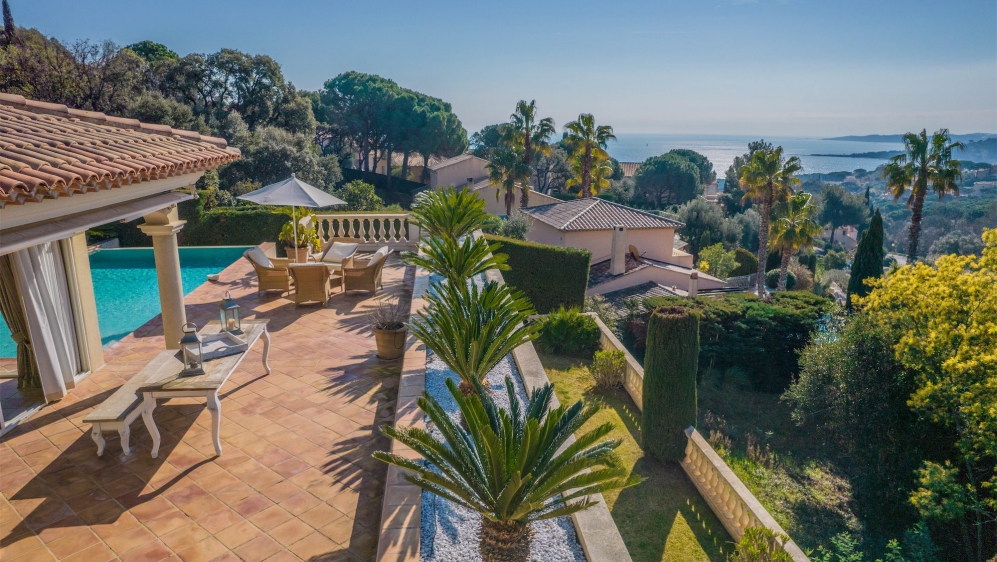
[
  {"x": 669, "y": 179},
  {"x": 841, "y": 208}
]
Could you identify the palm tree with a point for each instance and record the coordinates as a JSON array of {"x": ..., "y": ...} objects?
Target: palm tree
[
  {"x": 924, "y": 162},
  {"x": 768, "y": 178},
  {"x": 602, "y": 171},
  {"x": 471, "y": 329},
  {"x": 458, "y": 261},
  {"x": 532, "y": 136},
  {"x": 587, "y": 142},
  {"x": 796, "y": 228},
  {"x": 507, "y": 169},
  {"x": 506, "y": 464},
  {"x": 449, "y": 212}
]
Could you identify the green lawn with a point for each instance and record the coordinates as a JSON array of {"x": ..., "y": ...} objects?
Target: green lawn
[{"x": 664, "y": 518}]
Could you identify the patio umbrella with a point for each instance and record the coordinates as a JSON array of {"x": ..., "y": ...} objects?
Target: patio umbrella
[{"x": 294, "y": 193}]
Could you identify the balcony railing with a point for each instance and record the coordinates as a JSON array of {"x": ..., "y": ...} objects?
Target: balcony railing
[{"x": 370, "y": 230}]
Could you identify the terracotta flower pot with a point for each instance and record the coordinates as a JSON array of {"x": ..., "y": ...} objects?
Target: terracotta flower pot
[
  {"x": 302, "y": 256},
  {"x": 390, "y": 343}
]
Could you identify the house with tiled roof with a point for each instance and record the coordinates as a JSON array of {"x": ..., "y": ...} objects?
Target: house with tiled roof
[
  {"x": 63, "y": 171},
  {"x": 467, "y": 170},
  {"x": 628, "y": 246}
]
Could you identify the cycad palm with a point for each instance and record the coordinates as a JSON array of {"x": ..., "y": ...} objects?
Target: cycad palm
[
  {"x": 766, "y": 179},
  {"x": 458, "y": 261},
  {"x": 509, "y": 466},
  {"x": 448, "y": 212},
  {"x": 507, "y": 170},
  {"x": 587, "y": 142},
  {"x": 924, "y": 162},
  {"x": 795, "y": 228},
  {"x": 472, "y": 329}
]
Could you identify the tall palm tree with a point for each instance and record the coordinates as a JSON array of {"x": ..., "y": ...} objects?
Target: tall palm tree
[
  {"x": 602, "y": 171},
  {"x": 795, "y": 229},
  {"x": 587, "y": 142},
  {"x": 766, "y": 179},
  {"x": 533, "y": 136},
  {"x": 507, "y": 169},
  {"x": 924, "y": 162}
]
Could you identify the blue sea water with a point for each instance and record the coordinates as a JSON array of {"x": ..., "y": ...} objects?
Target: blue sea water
[
  {"x": 721, "y": 150},
  {"x": 126, "y": 290}
]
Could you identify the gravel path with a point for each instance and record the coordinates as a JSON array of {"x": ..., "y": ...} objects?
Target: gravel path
[{"x": 450, "y": 532}]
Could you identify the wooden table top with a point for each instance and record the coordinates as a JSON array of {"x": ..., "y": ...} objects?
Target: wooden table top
[{"x": 163, "y": 374}]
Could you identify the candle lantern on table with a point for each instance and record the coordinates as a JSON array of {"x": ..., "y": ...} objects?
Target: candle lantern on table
[
  {"x": 190, "y": 348},
  {"x": 228, "y": 313}
]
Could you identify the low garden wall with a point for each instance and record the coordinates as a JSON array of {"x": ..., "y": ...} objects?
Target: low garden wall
[
  {"x": 728, "y": 497},
  {"x": 401, "y": 515}
]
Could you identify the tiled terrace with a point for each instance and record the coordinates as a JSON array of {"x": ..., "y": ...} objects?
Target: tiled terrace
[{"x": 295, "y": 480}]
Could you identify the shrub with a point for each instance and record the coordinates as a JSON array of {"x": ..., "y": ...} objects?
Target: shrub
[
  {"x": 747, "y": 263},
  {"x": 834, "y": 260},
  {"x": 550, "y": 276},
  {"x": 761, "y": 544},
  {"x": 568, "y": 331},
  {"x": 761, "y": 337},
  {"x": 670, "y": 382},
  {"x": 802, "y": 274},
  {"x": 717, "y": 261},
  {"x": 359, "y": 196},
  {"x": 516, "y": 227},
  {"x": 772, "y": 279},
  {"x": 608, "y": 368}
]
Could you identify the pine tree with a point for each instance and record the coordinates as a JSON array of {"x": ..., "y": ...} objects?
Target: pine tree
[
  {"x": 9, "y": 31},
  {"x": 669, "y": 391},
  {"x": 868, "y": 259}
]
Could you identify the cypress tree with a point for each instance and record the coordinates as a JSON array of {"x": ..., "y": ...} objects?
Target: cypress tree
[
  {"x": 868, "y": 259},
  {"x": 9, "y": 31},
  {"x": 669, "y": 393}
]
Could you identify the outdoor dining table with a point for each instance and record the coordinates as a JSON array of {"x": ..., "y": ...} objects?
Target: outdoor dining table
[{"x": 216, "y": 371}]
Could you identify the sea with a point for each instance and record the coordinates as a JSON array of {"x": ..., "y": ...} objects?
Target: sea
[{"x": 722, "y": 149}]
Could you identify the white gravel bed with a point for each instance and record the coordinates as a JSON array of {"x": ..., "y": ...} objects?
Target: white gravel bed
[{"x": 450, "y": 532}]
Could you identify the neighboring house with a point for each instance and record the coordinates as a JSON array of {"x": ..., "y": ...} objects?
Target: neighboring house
[
  {"x": 63, "y": 171},
  {"x": 711, "y": 192},
  {"x": 463, "y": 170},
  {"x": 629, "y": 247},
  {"x": 847, "y": 236},
  {"x": 494, "y": 197},
  {"x": 629, "y": 168}
]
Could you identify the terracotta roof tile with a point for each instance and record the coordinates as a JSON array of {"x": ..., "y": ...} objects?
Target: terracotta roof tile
[
  {"x": 593, "y": 213},
  {"x": 48, "y": 150}
]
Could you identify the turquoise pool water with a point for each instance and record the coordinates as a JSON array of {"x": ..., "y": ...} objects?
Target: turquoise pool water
[{"x": 124, "y": 283}]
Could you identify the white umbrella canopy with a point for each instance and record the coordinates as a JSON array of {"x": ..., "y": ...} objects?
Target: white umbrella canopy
[{"x": 294, "y": 193}]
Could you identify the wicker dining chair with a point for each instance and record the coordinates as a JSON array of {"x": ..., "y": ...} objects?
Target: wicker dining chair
[
  {"x": 271, "y": 272},
  {"x": 311, "y": 283},
  {"x": 365, "y": 275}
]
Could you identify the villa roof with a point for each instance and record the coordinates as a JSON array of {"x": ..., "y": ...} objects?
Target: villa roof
[
  {"x": 452, "y": 161},
  {"x": 629, "y": 168},
  {"x": 48, "y": 151},
  {"x": 593, "y": 213}
]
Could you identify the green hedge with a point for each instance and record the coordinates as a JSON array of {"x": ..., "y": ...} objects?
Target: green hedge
[
  {"x": 739, "y": 330},
  {"x": 550, "y": 276},
  {"x": 747, "y": 263},
  {"x": 669, "y": 390}
]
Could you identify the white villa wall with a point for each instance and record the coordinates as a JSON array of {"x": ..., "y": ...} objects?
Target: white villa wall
[
  {"x": 457, "y": 173},
  {"x": 655, "y": 244},
  {"x": 496, "y": 206},
  {"x": 543, "y": 233}
]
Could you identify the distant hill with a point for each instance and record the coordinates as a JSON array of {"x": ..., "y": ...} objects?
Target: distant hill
[
  {"x": 881, "y": 155},
  {"x": 980, "y": 151},
  {"x": 900, "y": 138}
]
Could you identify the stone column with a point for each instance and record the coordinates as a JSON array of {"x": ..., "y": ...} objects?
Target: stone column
[{"x": 163, "y": 226}]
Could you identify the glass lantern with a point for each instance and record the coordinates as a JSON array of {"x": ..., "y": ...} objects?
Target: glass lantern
[
  {"x": 190, "y": 347},
  {"x": 228, "y": 314}
]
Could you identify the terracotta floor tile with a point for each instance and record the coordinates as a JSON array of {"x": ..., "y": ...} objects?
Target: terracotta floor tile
[
  {"x": 73, "y": 543},
  {"x": 252, "y": 505},
  {"x": 107, "y": 529},
  {"x": 238, "y": 534},
  {"x": 167, "y": 522},
  {"x": 260, "y": 548},
  {"x": 184, "y": 537},
  {"x": 290, "y": 532},
  {"x": 300, "y": 503},
  {"x": 149, "y": 552},
  {"x": 95, "y": 553},
  {"x": 128, "y": 540},
  {"x": 313, "y": 545},
  {"x": 219, "y": 520},
  {"x": 270, "y": 517}
]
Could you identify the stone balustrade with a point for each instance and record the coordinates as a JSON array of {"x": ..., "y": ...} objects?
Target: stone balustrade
[
  {"x": 728, "y": 497},
  {"x": 370, "y": 230}
]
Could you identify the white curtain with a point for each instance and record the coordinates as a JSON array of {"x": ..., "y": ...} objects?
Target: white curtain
[{"x": 42, "y": 281}]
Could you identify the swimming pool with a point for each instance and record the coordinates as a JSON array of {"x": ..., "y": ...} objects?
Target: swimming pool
[{"x": 125, "y": 287}]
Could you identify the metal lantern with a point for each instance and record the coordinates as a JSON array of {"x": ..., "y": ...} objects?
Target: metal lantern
[
  {"x": 190, "y": 347},
  {"x": 228, "y": 314}
]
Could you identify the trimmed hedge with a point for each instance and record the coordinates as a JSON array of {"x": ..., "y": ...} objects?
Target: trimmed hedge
[
  {"x": 772, "y": 279},
  {"x": 747, "y": 263},
  {"x": 550, "y": 276},
  {"x": 568, "y": 331},
  {"x": 739, "y": 330},
  {"x": 669, "y": 390}
]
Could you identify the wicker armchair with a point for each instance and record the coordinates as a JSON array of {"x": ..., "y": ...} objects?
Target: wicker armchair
[
  {"x": 272, "y": 274},
  {"x": 337, "y": 255},
  {"x": 365, "y": 275},
  {"x": 311, "y": 283}
]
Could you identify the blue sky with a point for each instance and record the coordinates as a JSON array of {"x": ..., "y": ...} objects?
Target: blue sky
[{"x": 758, "y": 67}]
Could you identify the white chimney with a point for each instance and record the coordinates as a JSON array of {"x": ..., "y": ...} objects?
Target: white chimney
[
  {"x": 693, "y": 284},
  {"x": 618, "y": 259}
]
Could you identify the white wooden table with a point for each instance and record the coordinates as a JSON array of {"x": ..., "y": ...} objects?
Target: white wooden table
[{"x": 167, "y": 383}]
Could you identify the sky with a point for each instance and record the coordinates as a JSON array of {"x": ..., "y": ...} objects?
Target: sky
[{"x": 807, "y": 68}]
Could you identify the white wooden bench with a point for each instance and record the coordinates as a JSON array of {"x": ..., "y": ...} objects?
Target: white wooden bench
[{"x": 123, "y": 407}]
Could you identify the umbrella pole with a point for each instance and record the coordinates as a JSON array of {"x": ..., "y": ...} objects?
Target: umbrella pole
[{"x": 294, "y": 225}]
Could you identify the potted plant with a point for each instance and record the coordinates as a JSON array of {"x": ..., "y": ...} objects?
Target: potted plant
[
  {"x": 387, "y": 320},
  {"x": 307, "y": 240}
]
